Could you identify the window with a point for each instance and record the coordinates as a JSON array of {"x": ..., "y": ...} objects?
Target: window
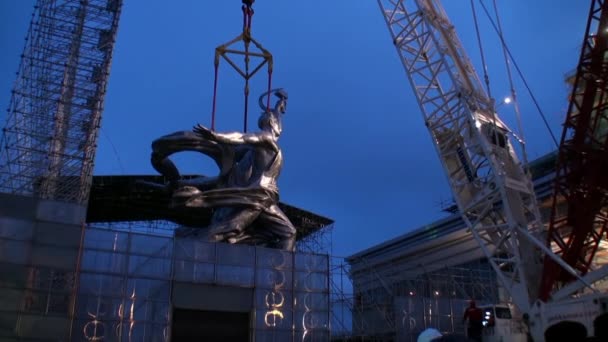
[{"x": 502, "y": 312}]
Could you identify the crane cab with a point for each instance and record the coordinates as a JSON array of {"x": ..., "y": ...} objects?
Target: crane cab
[{"x": 494, "y": 130}]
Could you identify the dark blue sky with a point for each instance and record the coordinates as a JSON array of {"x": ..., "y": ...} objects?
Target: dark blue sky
[{"x": 356, "y": 149}]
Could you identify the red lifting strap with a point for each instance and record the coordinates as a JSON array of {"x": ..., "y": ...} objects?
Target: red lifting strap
[
  {"x": 214, "y": 98},
  {"x": 269, "y": 87},
  {"x": 247, "y": 39}
]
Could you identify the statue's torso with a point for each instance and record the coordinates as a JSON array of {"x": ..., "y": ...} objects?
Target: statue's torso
[{"x": 260, "y": 167}]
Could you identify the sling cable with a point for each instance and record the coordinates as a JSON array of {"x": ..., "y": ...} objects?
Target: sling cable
[{"x": 226, "y": 51}]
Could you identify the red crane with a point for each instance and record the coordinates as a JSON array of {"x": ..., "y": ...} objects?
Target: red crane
[{"x": 581, "y": 180}]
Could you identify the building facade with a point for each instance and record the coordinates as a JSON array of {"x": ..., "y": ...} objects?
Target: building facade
[{"x": 427, "y": 277}]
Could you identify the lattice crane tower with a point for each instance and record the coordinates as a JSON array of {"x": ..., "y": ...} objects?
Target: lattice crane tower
[
  {"x": 47, "y": 147},
  {"x": 493, "y": 190}
]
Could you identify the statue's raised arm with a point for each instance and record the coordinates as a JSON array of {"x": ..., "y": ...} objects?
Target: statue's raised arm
[{"x": 280, "y": 107}]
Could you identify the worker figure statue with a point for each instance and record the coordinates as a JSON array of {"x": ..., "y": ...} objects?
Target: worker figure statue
[{"x": 245, "y": 196}]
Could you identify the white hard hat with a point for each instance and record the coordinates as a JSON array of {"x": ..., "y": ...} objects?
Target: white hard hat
[{"x": 428, "y": 335}]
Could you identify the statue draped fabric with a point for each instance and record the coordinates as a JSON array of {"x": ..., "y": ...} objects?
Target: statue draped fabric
[{"x": 244, "y": 196}]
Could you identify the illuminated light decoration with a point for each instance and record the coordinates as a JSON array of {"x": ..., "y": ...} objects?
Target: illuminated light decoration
[
  {"x": 277, "y": 261},
  {"x": 132, "y": 314},
  {"x": 408, "y": 320},
  {"x": 130, "y": 318},
  {"x": 307, "y": 304},
  {"x": 119, "y": 313},
  {"x": 166, "y": 334},
  {"x": 274, "y": 299},
  {"x": 276, "y": 278},
  {"x": 411, "y": 293},
  {"x": 507, "y": 100},
  {"x": 310, "y": 282},
  {"x": 273, "y": 318},
  {"x": 115, "y": 243},
  {"x": 271, "y": 299},
  {"x": 304, "y": 326},
  {"x": 94, "y": 330},
  {"x": 309, "y": 321}
]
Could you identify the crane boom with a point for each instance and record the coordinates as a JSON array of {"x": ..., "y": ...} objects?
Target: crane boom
[
  {"x": 580, "y": 179},
  {"x": 494, "y": 193}
]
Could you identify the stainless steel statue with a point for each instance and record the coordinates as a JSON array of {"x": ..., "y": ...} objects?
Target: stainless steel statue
[{"x": 244, "y": 196}]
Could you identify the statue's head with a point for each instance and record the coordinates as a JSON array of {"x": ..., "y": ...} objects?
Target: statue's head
[{"x": 271, "y": 121}]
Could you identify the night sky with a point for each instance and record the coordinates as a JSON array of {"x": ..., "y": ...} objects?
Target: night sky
[{"x": 355, "y": 146}]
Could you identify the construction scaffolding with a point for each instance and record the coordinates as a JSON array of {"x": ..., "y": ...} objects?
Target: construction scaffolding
[
  {"x": 124, "y": 281},
  {"x": 130, "y": 285},
  {"x": 342, "y": 300},
  {"x": 401, "y": 306},
  {"x": 317, "y": 242},
  {"x": 123, "y": 274},
  {"x": 48, "y": 145}
]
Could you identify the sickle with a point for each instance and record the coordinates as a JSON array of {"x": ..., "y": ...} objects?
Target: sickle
[{"x": 279, "y": 92}]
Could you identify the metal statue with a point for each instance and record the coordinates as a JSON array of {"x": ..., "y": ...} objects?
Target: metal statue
[{"x": 244, "y": 196}]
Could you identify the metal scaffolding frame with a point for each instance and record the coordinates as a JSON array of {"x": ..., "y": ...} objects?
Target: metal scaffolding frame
[
  {"x": 48, "y": 145},
  {"x": 318, "y": 241},
  {"x": 392, "y": 285},
  {"x": 399, "y": 307},
  {"x": 126, "y": 281},
  {"x": 66, "y": 280}
]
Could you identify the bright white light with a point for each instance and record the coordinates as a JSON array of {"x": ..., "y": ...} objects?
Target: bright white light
[
  {"x": 477, "y": 124},
  {"x": 273, "y": 318},
  {"x": 507, "y": 100}
]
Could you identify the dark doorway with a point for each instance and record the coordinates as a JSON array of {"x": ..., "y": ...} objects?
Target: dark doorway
[{"x": 198, "y": 325}]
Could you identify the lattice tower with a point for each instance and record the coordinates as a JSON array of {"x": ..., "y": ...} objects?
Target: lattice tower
[{"x": 48, "y": 145}]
